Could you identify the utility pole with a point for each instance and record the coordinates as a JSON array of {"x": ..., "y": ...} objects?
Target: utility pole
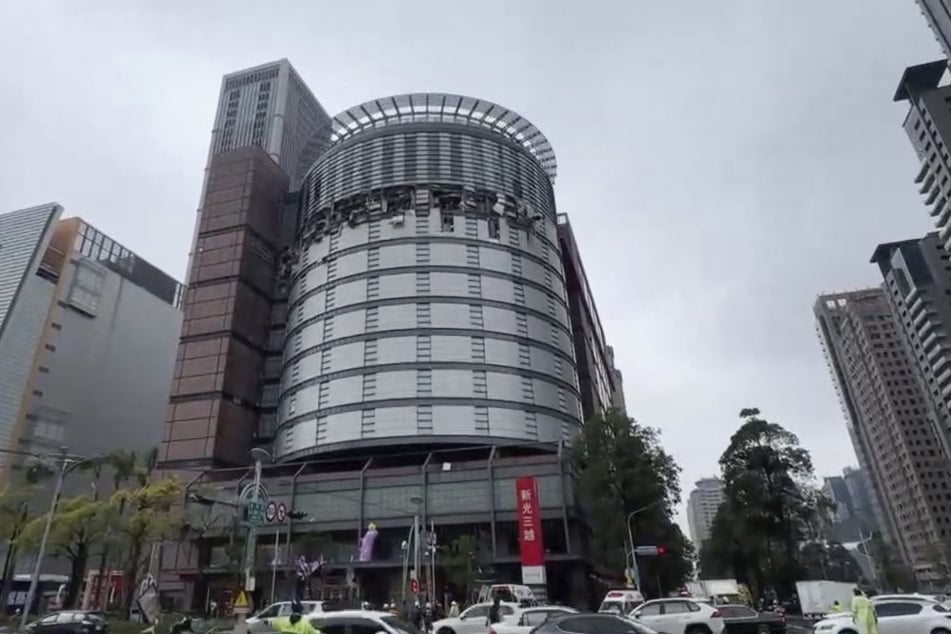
[{"x": 37, "y": 567}]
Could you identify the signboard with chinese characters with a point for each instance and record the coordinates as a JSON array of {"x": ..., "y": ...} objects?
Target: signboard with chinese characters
[{"x": 531, "y": 548}]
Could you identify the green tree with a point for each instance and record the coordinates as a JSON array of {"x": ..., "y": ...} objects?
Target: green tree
[
  {"x": 77, "y": 525},
  {"x": 622, "y": 471},
  {"x": 15, "y": 515},
  {"x": 770, "y": 507},
  {"x": 151, "y": 512},
  {"x": 460, "y": 562}
]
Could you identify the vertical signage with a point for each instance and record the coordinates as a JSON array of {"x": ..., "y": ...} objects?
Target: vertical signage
[{"x": 531, "y": 548}]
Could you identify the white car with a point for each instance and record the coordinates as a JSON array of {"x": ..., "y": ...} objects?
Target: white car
[
  {"x": 679, "y": 616},
  {"x": 895, "y": 616},
  {"x": 529, "y": 619},
  {"x": 360, "y": 621},
  {"x": 474, "y": 619},
  {"x": 260, "y": 622}
]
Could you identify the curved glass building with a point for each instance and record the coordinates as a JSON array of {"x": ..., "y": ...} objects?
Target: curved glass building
[{"x": 427, "y": 302}]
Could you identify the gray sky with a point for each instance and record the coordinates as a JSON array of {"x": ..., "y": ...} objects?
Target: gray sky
[{"x": 721, "y": 162}]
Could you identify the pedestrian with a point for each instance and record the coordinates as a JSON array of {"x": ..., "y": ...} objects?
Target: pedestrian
[
  {"x": 495, "y": 612},
  {"x": 453, "y": 610},
  {"x": 863, "y": 613},
  {"x": 836, "y": 606}
]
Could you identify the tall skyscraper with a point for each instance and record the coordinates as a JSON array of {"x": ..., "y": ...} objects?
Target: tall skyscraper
[
  {"x": 702, "y": 505},
  {"x": 917, "y": 276},
  {"x": 71, "y": 299},
  {"x": 886, "y": 413},
  {"x": 390, "y": 316},
  {"x": 928, "y": 126},
  {"x": 938, "y": 14}
]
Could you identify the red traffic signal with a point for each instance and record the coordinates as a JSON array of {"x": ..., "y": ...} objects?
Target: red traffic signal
[
  {"x": 414, "y": 586},
  {"x": 661, "y": 551}
]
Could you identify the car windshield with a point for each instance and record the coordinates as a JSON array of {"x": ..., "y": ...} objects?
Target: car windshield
[{"x": 402, "y": 627}]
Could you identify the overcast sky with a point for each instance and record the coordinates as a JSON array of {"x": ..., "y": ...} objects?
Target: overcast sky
[{"x": 721, "y": 162}]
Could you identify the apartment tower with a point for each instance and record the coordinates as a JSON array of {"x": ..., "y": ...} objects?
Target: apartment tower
[{"x": 886, "y": 413}]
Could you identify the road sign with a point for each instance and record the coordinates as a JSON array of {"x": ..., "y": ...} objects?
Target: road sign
[
  {"x": 414, "y": 586},
  {"x": 271, "y": 511},
  {"x": 256, "y": 512},
  {"x": 241, "y": 603},
  {"x": 281, "y": 513}
]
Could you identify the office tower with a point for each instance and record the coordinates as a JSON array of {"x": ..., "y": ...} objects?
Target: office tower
[
  {"x": 227, "y": 378},
  {"x": 842, "y": 523},
  {"x": 886, "y": 413},
  {"x": 87, "y": 334},
  {"x": 405, "y": 302},
  {"x": 938, "y": 14},
  {"x": 928, "y": 126},
  {"x": 597, "y": 376},
  {"x": 702, "y": 505},
  {"x": 269, "y": 106}
]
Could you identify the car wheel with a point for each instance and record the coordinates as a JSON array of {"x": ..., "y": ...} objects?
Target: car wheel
[
  {"x": 698, "y": 629},
  {"x": 941, "y": 630},
  {"x": 762, "y": 629},
  {"x": 445, "y": 630}
]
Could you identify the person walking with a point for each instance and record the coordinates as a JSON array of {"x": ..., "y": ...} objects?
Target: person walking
[
  {"x": 863, "y": 613},
  {"x": 453, "y": 610}
]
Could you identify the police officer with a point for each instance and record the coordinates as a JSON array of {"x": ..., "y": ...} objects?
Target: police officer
[{"x": 296, "y": 623}]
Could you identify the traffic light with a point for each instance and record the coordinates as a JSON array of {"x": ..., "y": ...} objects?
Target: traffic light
[
  {"x": 661, "y": 551},
  {"x": 650, "y": 551}
]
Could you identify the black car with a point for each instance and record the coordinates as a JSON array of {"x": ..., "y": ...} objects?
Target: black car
[
  {"x": 70, "y": 622},
  {"x": 739, "y": 619},
  {"x": 592, "y": 624}
]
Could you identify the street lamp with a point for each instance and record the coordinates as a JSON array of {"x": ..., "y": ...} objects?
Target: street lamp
[
  {"x": 630, "y": 538},
  {"x": 67, "y": 464},
  {"x": 260, "y": 456},
  {"x": 417, "y": 501}
]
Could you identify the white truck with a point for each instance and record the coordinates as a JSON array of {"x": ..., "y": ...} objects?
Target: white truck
[
  {"x": 816, "y": 598},
  {"x": 717, "y": 591}
]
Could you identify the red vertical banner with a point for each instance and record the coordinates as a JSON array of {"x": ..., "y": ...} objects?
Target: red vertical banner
[{"x": 531, "y": 547}]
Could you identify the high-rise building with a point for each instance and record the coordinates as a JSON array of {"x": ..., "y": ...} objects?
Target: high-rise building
[
  {"x": 886, "y": 413},
  {"x": 702, "y": 505},
  {"x": 618, "y": 400},
  {"x": 389, "y": 317},
  {"x": 928, "y": 126},
  {"x": 859, "y": 488},
  {"x": 938, "y": 14},
  {"x": 601, "y": 388},
  {"x": 917, "y": 276},
  {"x": 87, "y": 335}
]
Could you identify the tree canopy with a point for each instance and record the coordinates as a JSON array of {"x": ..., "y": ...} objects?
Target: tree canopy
[
  {"x": 621, "y": 470},
  {"x": 767, "y": 531}
]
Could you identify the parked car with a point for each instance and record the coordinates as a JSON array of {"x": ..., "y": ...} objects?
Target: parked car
[
  {"x": 529, "y": 618},
  {"x": 593, "y": 624},
  {"x": 740, "y": 619},
  {"x": 895, "y": 616},
  {"x": 474, "y": 619},
  {"x": 260, "y": 622},
  {"x": 70, "y": 622},
  {"x": 361, "y": 622},
  {"x": 679, "y": 616}
]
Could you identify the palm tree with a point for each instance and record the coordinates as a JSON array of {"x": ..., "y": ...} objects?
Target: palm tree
[{"x": 124, "y": 466}]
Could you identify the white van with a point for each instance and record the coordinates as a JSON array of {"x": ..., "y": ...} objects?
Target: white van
[
  {"x": 620, "y": 602},
  {"x": 508, "y": 593}
]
